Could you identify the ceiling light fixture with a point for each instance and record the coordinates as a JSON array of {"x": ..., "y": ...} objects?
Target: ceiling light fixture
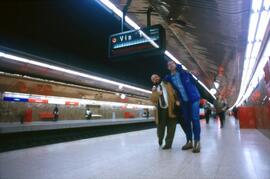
[
  {"x": 216, "y": 84},
  {"x": 265, "y": 15},
  {"x": 213, "y": 91},
  {"x": 266, "y": 4},
  {"x": 69, "y": 71},
  {"x": 122, "y": 96},
  {"x": 252, "y": 26},
  {"x": 256, "y": 5}
]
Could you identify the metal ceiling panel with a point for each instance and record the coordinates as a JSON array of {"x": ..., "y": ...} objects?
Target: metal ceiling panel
[{"x": 212, "y": 39}]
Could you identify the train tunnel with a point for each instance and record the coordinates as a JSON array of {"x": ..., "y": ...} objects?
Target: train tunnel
[{"x": 135, "y": 89}]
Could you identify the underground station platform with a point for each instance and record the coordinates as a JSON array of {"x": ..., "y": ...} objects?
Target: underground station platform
[{"x": 135, "y": 89}]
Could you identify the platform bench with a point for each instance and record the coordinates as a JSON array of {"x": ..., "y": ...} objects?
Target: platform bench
[{"x": 46, "y": 115}]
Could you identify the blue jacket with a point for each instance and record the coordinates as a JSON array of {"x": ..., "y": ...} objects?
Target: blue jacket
[{"x": 188, "y": 83}]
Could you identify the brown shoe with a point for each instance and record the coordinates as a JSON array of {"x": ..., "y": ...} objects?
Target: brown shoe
[
  {"x": 197, "y": 147},
  {"x": 188, "y": 145},
  {"x": 160, "y": 142},
  {"x": 166, "y": 147}
]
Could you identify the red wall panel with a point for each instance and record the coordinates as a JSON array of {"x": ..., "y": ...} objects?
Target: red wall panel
[{"x": 247, "y": 117}]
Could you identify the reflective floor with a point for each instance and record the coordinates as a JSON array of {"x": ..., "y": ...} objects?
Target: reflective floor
[{"x": 227, "y": 153}]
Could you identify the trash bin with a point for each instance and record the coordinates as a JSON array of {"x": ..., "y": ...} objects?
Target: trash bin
[{"x": 28, "y": 115}]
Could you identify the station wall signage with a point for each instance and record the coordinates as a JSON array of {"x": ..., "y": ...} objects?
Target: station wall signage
[
  {"x": 72, "y": 103},
  {"x": 36, "y": 100},
  {"x": 15, "y": 99},
  {"x": 147, "y": 41}
]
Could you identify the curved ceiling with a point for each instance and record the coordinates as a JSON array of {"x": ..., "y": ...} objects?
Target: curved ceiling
[{"x": 207, "y": 36}]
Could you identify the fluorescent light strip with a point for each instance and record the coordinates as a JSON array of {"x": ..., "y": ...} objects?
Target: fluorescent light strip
[
  {"x": 266, "y": 4},
  {"x": 248, "y": 50},
  {"x": 40, "y": 64},
  {"x": 252, "y": 26},
  {"x": 264, "y": 19},
  {"x": 255, "y": 50},
  {"x": 258, "y": 75},
  {"x": 256, "y": 5},
  {"x": 168, "y": 54},
  {"x": 118, "y": 12},
  {"x": 205, "y": 87},
  {"x": 61, "y": 100},
  {"x": 251, "y": 53}
]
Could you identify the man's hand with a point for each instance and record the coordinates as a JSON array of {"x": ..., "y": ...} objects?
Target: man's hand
[
  {"x": 154, "y": 88},
  {"x": 177, "y": 103}
]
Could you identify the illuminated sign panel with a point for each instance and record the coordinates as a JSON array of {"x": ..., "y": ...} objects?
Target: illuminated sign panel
[
  {"x": 35, "y": 100},
  {"x": 15, "y": 99},
  {"x": 72, "y": 103},
  {"x": 150, "y": 40}
]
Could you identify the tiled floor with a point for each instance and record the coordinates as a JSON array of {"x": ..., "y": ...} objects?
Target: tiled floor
[{"x": 227, "y": 153}]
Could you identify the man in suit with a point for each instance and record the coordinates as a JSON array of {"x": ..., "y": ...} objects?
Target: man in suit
[
  {"x": 221, "y": 107},
  {"x": 189, "y": 96},
  {"x": 164, "y": 97}
]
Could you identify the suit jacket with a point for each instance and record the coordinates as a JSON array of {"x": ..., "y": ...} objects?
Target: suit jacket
[
  {"x": 172, "y": 98},
  {"x": 220, "y": 106}
]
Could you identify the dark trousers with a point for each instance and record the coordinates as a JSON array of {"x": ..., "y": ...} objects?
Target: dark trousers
[
  {"x": 163, "y": 122},
  {"x": 191, "y": 112},
  {"x": 207, "y": 115},
  {"x": 181, "y": 121},
  {"x": 221, "y": 116},
  {"x": 55, "y": 117}
]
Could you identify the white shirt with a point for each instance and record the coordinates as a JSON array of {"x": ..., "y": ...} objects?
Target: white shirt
[{"x": 165, "y": 95}]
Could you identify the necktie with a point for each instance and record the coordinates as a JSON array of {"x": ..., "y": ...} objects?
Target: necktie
[{"x": 163, "y": 103}]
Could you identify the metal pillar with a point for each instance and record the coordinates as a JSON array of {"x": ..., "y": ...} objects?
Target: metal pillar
[
  {"x": 125, "y": 9},
  {"x": 149, "y": 10}
]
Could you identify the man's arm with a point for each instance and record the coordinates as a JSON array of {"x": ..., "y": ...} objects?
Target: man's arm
[
  {"x": 154, "y": 97},
  {"x": 180, "y": 69},
  {"x": 174, "y": 94}
]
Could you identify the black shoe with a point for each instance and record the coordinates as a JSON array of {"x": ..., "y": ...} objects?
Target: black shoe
[
  {"x": 197, "y": 147},
  {"x": 166, "y": 147},
  {"x": 188, "y": 145},
  {"x": 160, "y": 143}
]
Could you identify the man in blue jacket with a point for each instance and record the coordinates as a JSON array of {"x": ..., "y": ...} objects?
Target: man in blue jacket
[{"x": 189, "y": 96}]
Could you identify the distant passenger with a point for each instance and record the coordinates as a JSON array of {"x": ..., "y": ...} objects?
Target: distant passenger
[
  {"x": 164, "y": 97},
  {"x": 208, "y": 112},
  {"x": 235, "y": 112},
  {"x": 146, "y": 113},
  {"x": 221, "y": 107},
  {"x": 189, "y": 96},
  {"x": 88, "y": 114},
  {"x": 56, "y": 113}
]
